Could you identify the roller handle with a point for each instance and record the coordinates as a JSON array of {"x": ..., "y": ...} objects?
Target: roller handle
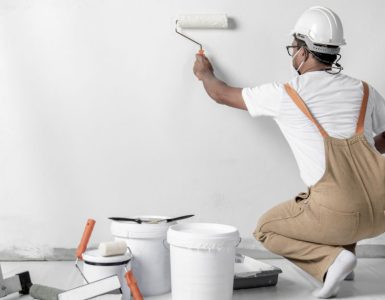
[
  {"x": 132, "y": 284},
  {"x": 201, "y": 52},
  {"x": 85, "y": 238}
]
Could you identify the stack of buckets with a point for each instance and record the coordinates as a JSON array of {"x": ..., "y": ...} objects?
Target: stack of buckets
[{"x": 202, "y": 258}]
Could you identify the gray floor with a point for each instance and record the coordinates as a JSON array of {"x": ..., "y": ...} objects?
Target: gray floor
[{"x": 292, "y": 283}]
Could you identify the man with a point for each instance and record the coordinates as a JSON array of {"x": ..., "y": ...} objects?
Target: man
[{"x": 329, "y": 120}]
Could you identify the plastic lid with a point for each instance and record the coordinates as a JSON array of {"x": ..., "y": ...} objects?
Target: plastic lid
[
  {"x": 128, "y": 229},
  {"x": 94, "y": 256},
  {"x": 203, "y": 236}
]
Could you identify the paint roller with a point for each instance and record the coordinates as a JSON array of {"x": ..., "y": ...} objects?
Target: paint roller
[
  {"x": 87, "y": 291},
  {"x": 200, "y": 21}
]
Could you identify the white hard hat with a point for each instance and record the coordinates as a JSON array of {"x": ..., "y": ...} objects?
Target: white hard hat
[{"x": 320, "y": 27}]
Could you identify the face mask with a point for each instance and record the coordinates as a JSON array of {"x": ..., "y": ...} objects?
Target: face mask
[{"x": 295, "y": 72}]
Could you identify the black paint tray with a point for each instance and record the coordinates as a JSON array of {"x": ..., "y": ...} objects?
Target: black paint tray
[{"x": 251, "y": 273}]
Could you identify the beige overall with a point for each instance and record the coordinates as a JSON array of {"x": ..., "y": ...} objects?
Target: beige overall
[{"x": 346, "y": 205}]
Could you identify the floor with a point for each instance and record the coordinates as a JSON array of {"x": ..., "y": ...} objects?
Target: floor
[{"x": 292, "y": 284}]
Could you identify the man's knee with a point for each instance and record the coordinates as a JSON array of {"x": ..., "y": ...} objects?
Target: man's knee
[
  {"x": 266, "y": 222},
  {"x": 258, "y": 233}
]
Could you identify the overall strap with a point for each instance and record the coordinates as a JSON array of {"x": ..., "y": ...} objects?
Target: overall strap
[
  {"x": 364, "y": 105},
  {"x": 302, "y": 106}
]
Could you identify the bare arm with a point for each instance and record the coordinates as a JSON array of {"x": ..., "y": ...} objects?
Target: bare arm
[
  {"x": 218, "y": 90},
  {"x": 380, "y": 142}
]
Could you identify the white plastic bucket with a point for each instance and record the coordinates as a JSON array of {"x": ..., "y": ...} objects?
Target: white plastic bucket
[
  {"x": 202, "y": 261},
  {"x": 151, "y": 262},
  {"x": 97, "y": 267}
]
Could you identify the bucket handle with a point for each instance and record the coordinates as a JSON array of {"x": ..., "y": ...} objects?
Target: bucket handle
[
  {"x": 129, "y": 250},
  {"x": 166, "y": 243}
]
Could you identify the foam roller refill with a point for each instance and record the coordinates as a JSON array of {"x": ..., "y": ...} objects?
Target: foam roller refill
[
  {"x": 112, "y": 248},
  {"x": 218, "y": 21}
]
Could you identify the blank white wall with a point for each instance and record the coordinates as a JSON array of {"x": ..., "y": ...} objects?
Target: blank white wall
[{"x": 101, "y": 115}]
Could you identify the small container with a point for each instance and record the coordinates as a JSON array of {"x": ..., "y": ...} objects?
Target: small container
[{"x": 96, "y": 267}]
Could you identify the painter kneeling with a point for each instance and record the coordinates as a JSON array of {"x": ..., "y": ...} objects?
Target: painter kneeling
[{"x": 335, "y": 126}]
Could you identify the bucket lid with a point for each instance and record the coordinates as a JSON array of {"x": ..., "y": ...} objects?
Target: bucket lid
[
  {"x": 94, "y": 256},
  {"x": 128, "y": 229},
  {"x": 203, "y": 236}
]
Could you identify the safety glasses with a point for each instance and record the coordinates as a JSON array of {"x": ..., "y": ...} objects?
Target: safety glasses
[{"x": 291, "y": 49}]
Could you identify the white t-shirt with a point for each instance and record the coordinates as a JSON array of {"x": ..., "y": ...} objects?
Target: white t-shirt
[{"x": 334, "y": 100}]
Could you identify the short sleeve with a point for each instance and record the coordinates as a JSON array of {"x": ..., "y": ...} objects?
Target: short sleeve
[
  {"x": 263, "y": 100},
  {"x": 378, "y": 116}
]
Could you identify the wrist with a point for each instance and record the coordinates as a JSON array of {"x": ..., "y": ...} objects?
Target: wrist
[{"x": 206, "y": 75}]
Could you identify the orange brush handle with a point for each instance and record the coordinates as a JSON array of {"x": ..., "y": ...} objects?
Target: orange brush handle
[
  {"x": 132, "y": 284},
  {"x": 85, "y": 238}
]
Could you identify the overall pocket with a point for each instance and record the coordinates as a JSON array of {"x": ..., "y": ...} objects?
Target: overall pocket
[
  {"x": 302, "y": 196},
  {"x": 339, "y": 228}
]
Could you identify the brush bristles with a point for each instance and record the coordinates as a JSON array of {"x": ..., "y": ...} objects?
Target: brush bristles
[{"x": 218, "y": 21}]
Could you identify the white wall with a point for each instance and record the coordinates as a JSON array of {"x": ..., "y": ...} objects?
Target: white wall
[{"x": 100, "y": 114}]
